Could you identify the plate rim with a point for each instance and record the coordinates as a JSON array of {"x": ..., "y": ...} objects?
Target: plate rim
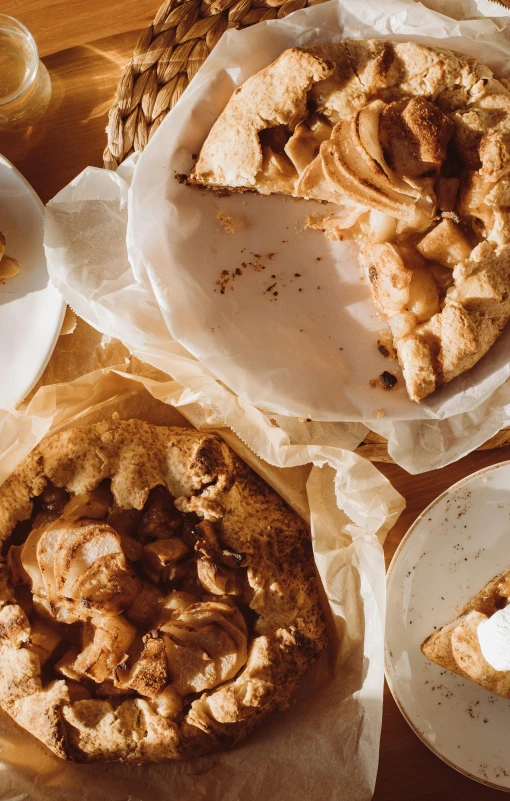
[
  {"x": 15, "y": 401},
  {"x": 389, "y": 572}
]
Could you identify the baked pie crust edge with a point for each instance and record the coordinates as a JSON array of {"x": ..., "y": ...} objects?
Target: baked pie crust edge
[{"x": 208, "y": 479}]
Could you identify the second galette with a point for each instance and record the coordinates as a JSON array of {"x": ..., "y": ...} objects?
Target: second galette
[{"x": 157, "y": 599}]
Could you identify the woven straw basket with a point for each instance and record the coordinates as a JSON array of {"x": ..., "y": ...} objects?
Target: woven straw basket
[{"x": 167, "y": 56}]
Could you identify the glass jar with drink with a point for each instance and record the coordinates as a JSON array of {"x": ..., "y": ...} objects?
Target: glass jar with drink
[{"x": 25, "y": 85}]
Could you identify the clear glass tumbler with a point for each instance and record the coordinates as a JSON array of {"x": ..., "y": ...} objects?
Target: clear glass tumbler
[{"x": 25, "y": 85}]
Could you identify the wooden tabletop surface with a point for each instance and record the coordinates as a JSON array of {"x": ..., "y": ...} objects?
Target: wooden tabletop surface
[{"x": 84, "y": 44}]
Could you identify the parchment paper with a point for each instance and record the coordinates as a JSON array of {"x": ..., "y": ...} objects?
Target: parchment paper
[
  {"x": 85, "y": 244},
  {"x": 329, "y": 737}
]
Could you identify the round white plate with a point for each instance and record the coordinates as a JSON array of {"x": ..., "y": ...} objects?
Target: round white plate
[
  {"x": 31, "y": 309},
  {"x": 456, "y": 545}
]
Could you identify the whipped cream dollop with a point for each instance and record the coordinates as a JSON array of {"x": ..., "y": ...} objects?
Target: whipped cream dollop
[{"x": 494, "y": 639}]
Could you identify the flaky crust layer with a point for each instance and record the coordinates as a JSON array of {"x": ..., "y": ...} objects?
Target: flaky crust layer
[
  {"x": 455, "y": 646},
  {"x": 207, "y": 478}
]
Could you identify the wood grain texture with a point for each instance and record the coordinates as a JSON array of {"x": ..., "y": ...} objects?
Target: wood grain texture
[{"x": 85, "y": 44}]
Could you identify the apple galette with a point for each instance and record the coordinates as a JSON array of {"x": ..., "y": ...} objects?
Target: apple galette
[
  {"x": 157, "y": 599},
  {"x": 411, "y": 145}
]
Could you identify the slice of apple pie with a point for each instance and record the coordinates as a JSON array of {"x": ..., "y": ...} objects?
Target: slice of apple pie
[
  {"x": 476, "y": 645},
  {"x": 409, "y": 146},
  {"x": 157, "y": 599}
]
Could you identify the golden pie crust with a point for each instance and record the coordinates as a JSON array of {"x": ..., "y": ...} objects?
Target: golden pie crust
[
  {"x": 216, "y": 658},
  {"x": 411, "y": 144},
  {"x": 455, "y": 646}
]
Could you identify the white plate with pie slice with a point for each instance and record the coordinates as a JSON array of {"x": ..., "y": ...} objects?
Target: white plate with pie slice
[
  {"x": 456, "y": 545},
  {"x": 31, "y": 309}
]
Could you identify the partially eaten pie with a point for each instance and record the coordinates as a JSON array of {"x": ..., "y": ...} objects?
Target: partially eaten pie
[
  {"x": 157, "y": 599},
  {"x": 457, "y": 646},
  {"x": 410, "y": 146}
]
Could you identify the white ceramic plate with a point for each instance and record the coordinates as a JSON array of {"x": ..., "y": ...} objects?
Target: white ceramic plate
[
  {"x": 456, "y": 545},
  {"x": 31, "y": 309}
]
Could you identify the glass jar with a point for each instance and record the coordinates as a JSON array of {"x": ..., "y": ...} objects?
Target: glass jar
[{"x": 25, "y": 85}]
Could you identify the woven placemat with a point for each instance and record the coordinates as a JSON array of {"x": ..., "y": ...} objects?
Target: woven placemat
[{"x": 166, "y": 57}]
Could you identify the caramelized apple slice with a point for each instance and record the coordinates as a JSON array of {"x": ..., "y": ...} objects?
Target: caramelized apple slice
[
  {"x": 108, "y": 586},
  {"x": 46, "y": 549},
  {"x": 65, "y": 665},
  {"x": 446, "y": 244},
  {"x": 160, "y": 518},
  {"x": 365, "y": 133},
  {"x": 414, "y": 135},
  {"x": 162, "y": 554},
  {"x": 379, "y": 227},
  {"x": 314, "y": 184},
  {"x": 149, "y": 674},
  {"x": 78, "y": 547},
  {"x": 15, "y": 567},
  {"x": 144, "y": 610},
  {"x": 30, "y": 563},
  {"x": 44, "y": 640},
  {"x": 106, "y": 640},
  {"x": 168, "y": 703},
  {"x": 177, "y": 600},
  {"x": 277, "y": 174},
  {"x": 92, "y": 505},
  {"x": 206, "y": 644},
  {"x": 131, "y": 548},
  {"x": 124, "y": 521},
  {"x": 399, "y": 283},
  {"x": 307, "y": 137},
  {"x": 446, "y": 193},
  {"x": 344, "y": 167}
]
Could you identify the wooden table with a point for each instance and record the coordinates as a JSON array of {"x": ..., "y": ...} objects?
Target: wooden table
[{"x": 84, "y": 44}]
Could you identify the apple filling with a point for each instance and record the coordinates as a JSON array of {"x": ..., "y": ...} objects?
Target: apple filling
[
  {"x": 386, "y": 169},
  {"x": 121, "y": 602}
]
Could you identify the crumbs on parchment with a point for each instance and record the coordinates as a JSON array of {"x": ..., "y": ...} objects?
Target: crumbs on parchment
[
  {"x": 385, "y": 345},
  {"x": 385, "y": 381},
  {"x": 226, "y": 222},
  {"x": 227, "y": 278}
]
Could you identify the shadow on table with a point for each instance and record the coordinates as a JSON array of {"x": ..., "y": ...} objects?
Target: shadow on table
[{"x": 71, "y": 135}]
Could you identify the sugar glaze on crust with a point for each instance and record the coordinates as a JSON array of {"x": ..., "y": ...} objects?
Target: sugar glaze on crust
[{"x": 209, "y": 481}]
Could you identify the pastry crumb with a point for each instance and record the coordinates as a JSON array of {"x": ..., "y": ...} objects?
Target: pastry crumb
[
  {"x": 380, "y": 413},
  {"x": 385, "y": 345},
  {"x": 226, "y": 222},
  {"x": 384, "y": 381}
]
